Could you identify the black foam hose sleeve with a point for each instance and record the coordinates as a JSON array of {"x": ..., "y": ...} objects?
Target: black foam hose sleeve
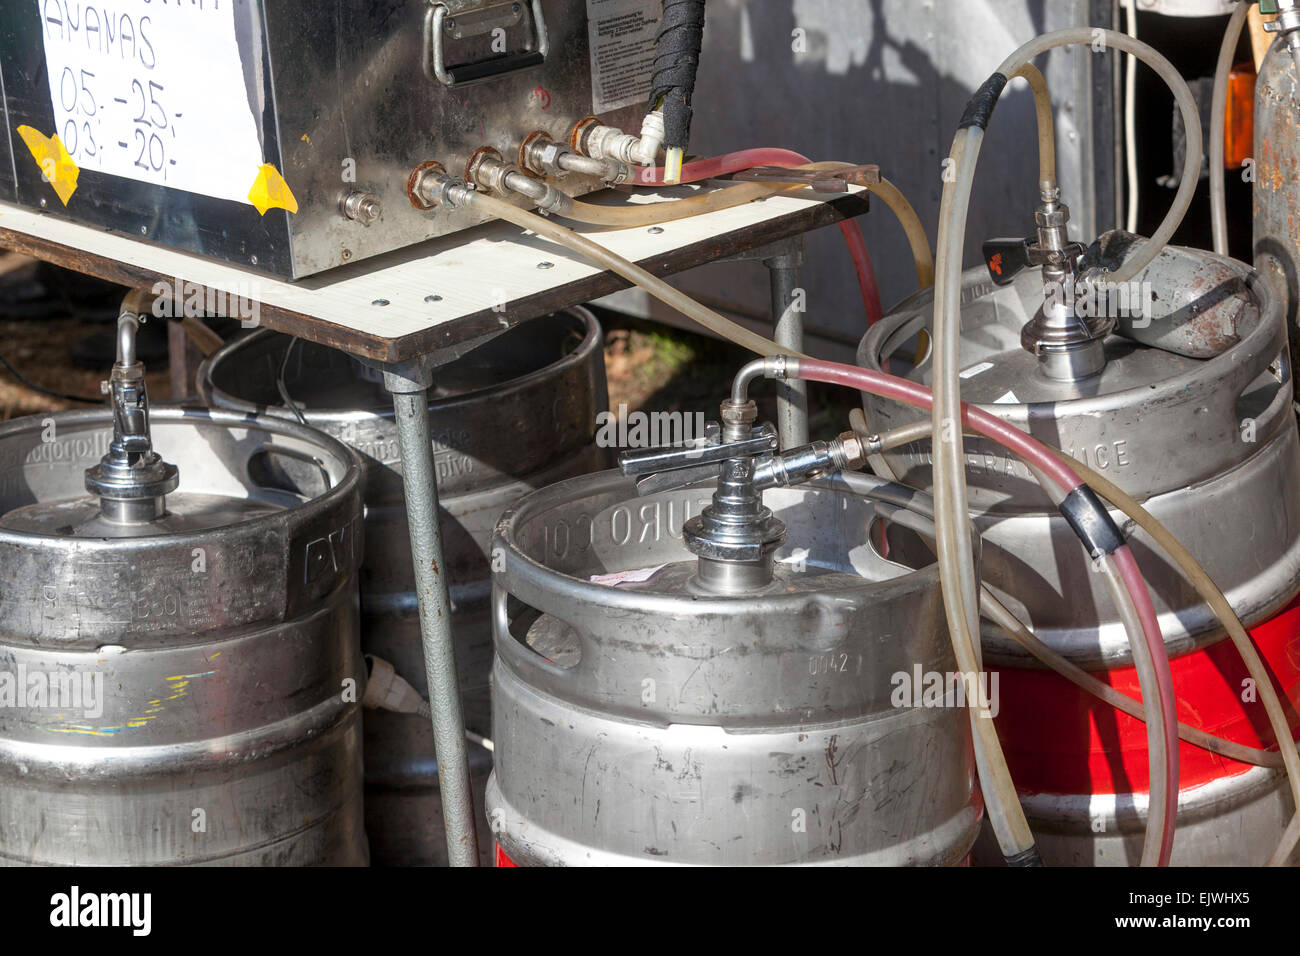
[
  {"x": 979, "y": 108},
  {"x": 1091, "y": 522},
  {"x": 677, "y": 59},
  {"x": 1028, "y": 857}
]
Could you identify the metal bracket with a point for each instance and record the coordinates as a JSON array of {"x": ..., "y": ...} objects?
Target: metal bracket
[{"x": 459, "y": 19}]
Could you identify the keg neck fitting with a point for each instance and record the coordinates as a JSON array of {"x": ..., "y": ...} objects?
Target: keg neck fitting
[
  {"x": 131, "y": 480},
  {"x": 736, "y": 535}
]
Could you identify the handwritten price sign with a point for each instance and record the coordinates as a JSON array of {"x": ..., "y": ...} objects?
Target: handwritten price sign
[{"x": 154, "y": 90}]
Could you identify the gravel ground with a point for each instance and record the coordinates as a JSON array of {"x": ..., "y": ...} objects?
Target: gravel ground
[{"x": 656, "y": 368}]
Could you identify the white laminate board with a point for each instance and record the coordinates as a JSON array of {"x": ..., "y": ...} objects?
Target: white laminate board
[{"x": 491, "y": 265}]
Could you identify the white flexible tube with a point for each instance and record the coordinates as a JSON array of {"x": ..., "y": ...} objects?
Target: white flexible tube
[
  {"x": 952, "y": 524},
  {"x": 1130, "y": 122},
  {"x": 902, "y": 497},
  {"x": 1087, "y": 36},
  {"x": 1157, "y": 840},
  {"x": 1157, "y": 745},
  {"x": 956, "y": 557},
  {"x": 1218, "y": 122},
  {"x": 1000, "y": 786},
  {"x": 1287, "y": 845}
]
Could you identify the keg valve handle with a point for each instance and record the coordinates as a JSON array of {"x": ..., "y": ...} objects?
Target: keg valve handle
[
  {"x": 131, "y": 480},
  {"x": 676, "y": 466}
]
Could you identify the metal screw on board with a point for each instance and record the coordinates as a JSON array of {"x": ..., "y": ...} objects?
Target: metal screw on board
[{"x": 546, "y": 265}]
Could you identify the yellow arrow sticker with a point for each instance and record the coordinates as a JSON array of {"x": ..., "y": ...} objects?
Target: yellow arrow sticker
[
  {"x": 57, "y": 167},
  {"x": 270, "y": 191}
]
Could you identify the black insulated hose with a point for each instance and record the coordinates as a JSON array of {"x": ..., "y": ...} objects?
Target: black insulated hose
[{"x": 677, "y": 58}]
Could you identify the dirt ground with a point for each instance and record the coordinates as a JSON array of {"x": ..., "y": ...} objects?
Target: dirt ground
[
  {"x": 657, "y": 368},
  {"x": 649, "y": 366},
  {"x": 40, "y": 346}
]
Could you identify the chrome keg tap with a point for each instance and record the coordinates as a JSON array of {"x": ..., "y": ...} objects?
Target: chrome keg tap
[
  {"x": 736, "y": 535},
  {"x": 132, "y": 480},
  {"x": 1067, "y": 339}
]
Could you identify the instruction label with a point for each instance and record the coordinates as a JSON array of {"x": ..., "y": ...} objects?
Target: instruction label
[
  {"x": 154, "y": 91},
  {"x": 621, "y": 34}
]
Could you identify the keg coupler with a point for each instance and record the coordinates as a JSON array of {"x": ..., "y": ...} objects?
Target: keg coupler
[
  {"x": 131, "y": 480},
  {"x": 1068, "y": 344},
  {"x": 735, "y": 536}
]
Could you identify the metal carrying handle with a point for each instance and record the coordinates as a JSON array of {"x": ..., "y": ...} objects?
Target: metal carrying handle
[
  {"x": 435, "y": 64},
  {"x": 523, "y": 659}
]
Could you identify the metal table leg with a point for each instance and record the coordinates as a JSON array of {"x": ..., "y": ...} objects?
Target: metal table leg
[
  {"x": 409, "y": 388},
  {"x": 788, "y": 302}
]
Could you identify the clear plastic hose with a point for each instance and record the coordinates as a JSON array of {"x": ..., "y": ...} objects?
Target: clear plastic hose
[
  {"x": 1130, "y": 122},
  {"x": 1212, "y": 596},
  {"x": 630, "y": 215},
  {"x": 956, "y": 558},
  {"x": 1218, "y": 120},
  {"x": 1000, "y": 615},
  {"x": 1088, "y": 36},
  {"x": 599, "y": 255},
  {"x": 922, "y": 255},
  {"x": 1117, "y": 496},
  {"x": 1148, "y": 649},
  {"x": 952, "y": 524},
  {"x": 1287, "y": 755},
  {"x": 916, "y": 503},
  {"x": 1046, "y": 124}
]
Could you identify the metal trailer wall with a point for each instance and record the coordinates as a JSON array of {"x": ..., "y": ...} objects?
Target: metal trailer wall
[{"x": 885, "y": 81}]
